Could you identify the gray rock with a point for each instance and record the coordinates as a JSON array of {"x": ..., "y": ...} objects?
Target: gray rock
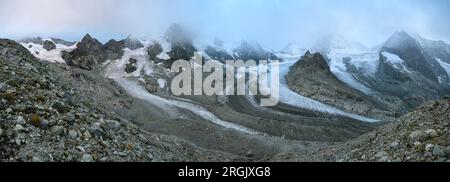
[
  {"x": 384, "y": 159},
  {"x": 87, "y": 158},
  {"x": 114, "y": 125},
  {"x": 381, "y": 154},
  {"x": 428, "y": 147},
  {"x": 1, "y": 132},
  {"x": 19, "y": 127},
  {"x": 58, "y": 130},
  {"x": 36, "y": 159},
  {"x": 97, "y": 131},
  {"x": 87, "y": 134},
  {"x": 48, "y": 45},
  {"x": 131, "y": 66},
  {"x": 3, "y": 87},
  {"x": 20, "y": 120},
  {"x": 432, "y": 132},
  {"x": 394, "y": 145},
  {"x": 81, "y": 149},
  {"x": 9, "y": 110},
  {"x": 59, "y": 106},
  {"x": 427, "y": 155},
  {"x": 44, "y": 123},
  {"x": 439, "y": 151},
  {"x": 249, "y": 153},
  {"x": 418, "y": 136},
  {"x": 73, "y": 134}
]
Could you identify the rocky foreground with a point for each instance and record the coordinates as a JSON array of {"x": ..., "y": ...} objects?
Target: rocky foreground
[
  {"x": 420, "y": 136},
  {"x": 45, "y": 116}
]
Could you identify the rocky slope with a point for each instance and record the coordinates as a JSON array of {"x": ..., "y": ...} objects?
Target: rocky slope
[
  {"x": 90, "y": 53},
  {"x": 51, "y": 112},
  {"x": 421, "y": 135},
  {"x": 311, "y": 77}
]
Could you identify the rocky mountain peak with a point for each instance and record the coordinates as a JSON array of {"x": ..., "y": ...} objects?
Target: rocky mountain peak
[
  {"x": 87, "y": 55},
  {"x": 132, "y": 43},
  {"x": 314, "y": 61},
  {"x": 401, "y": 39},
  {"x": 252, "y": 50},
  {"x": 175, "y": 34}
]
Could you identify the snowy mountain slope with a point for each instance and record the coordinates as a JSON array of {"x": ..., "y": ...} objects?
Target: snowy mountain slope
[{"x": 53, "y": 56}]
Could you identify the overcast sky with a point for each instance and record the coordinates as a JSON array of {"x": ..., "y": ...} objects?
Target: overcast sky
[{"x": 274, "y": 23}]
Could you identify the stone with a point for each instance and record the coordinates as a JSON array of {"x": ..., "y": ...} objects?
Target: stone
[
  {"x": 384, "y": 159},
  {"x": 114, "y": 125},
  {"x": 20, "y": 120},
  {"x": 87, "y": 158},
  {"x": 48, "y": 45},
  {"x": 1, "y": 132},
  {"x": 432, "y": 132},
  {"x": 36, "y": 159},
  {"x": 58, "y": 130},
  {"x": 97, "y": 131},
  {"x": 438, "y": 151},
  {"x": 249, "y": 153},
  {"x": 60, "y": 107},
  {"x": 418, "y": 136},
  {"x": 9, "y": 110},
  {"x": 87, "y": 134},
  {"x": 73, "y": 134},
  {"x": 18, "y": 127},
  {"x": 381, "y": 154},
  {"x": 81, "y": 149},
  {"x": 44, "y": 123},
  {"x": 394, "y": 145},
  {"x": 427, "y": 155},
  {"x": 428, "y": 147},
  {"x": 417, "y": 144},
  {"x": 131, "y": 66}
]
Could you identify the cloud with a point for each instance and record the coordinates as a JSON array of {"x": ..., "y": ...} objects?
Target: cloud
[{"x": 274, "y": 23}]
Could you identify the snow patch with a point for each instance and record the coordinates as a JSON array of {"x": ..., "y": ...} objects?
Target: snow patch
[
  {"x": 161, "y": 83},
  {"x": 444, "y": 65},
  {"x": 366, "y": 61},
  {"x": 53, "y": 56}
]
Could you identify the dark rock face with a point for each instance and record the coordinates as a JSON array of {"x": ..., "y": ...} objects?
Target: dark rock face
[
  {"x": 151, "y": 85},
  {"x": 132, "y": 44},
  {"x": 311, "y": 77},
  {"x": 219, "y": 55},
  {"x": 423, "y": 80},
  {"x": 154, "y": 50},
  {"x": 113, "y": 49},
  {"x": 182, "y": 48},
  {"x": 131, "y": 66},
  {"x": 410, "y": 50},
  {"x": 252, "y": 51},
  {"x": 48, "y": 45},
  {"x": 88, "y": 54}
]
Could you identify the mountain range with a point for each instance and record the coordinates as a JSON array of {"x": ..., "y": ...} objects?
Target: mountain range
[{"x": 89, "y": 101}]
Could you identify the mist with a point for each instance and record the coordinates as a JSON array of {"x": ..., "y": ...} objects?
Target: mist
[{"x": 273, "y": 23}]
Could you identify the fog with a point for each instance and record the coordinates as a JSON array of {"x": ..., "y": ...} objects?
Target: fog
[{"x": 273, "y": 23}]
